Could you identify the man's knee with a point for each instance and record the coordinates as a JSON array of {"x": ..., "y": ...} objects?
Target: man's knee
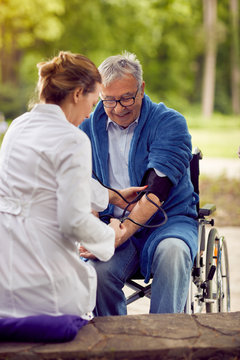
[{"x": 172, "y": 252}]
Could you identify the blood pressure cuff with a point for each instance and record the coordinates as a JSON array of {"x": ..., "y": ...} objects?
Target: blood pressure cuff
[{"x": 158, "y": 185}]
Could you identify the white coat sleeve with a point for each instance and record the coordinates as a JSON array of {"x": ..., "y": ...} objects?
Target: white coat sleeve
[
  {"x": 99, "y": 196},
  {"x": 73, "y": 176}
]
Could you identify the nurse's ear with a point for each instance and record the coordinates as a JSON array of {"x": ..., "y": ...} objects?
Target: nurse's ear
[{"x": 77, "y": 94}]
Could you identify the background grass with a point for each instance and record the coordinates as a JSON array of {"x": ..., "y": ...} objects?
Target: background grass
[
  {"x": 221, "y": 143},
  {"x": 225, "y": 194},
  {"x": 218, "y": 136}
]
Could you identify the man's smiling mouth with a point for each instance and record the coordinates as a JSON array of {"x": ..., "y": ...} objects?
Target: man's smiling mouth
[{"x": 122, "y": 115}]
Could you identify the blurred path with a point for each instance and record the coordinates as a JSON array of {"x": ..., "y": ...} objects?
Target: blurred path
[
  {"x": 232, "y": 235},
  {"x": 219, "y": 166}
]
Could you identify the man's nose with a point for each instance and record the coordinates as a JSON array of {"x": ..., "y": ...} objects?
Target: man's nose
[{"x": 119, "y": 108}]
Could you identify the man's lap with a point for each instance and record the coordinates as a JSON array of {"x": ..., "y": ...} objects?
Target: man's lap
[
  {"x": 123, "y": 263},
  {"x": 126, "y": 260}
]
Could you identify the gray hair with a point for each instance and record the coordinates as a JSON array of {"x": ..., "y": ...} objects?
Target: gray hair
[{"x": 119, "y": 66}]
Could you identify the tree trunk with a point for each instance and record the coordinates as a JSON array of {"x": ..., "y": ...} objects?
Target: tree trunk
[
  {"x": 9, "y": 56},
  {"x": 235, "y": 71},
  {"x": 208, "y": 90}
]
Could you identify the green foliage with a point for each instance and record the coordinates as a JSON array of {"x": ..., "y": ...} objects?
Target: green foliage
[
  {"x": 29, "y": 20},
  {"x": 25, "y": 27},
  {"x": 28, "y": 70},
  {"x": 12, "y": 100}
]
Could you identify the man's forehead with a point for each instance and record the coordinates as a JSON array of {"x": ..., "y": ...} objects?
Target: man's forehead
[
  {"x": 118, "y": 89},
  {"x": 114, "y": 94},
  {"x": 126, "y": 84}
]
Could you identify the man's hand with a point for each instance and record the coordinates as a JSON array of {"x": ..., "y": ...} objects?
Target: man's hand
[{"x": 129, "y": 194}]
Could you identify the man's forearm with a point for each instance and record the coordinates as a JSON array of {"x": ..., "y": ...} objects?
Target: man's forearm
[{"x": 141, "y": 213}]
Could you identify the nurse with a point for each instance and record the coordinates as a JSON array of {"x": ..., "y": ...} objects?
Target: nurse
[{"x": 45, "y": 198}]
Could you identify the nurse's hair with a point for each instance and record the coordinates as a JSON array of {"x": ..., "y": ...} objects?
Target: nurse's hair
[
  {"x": 118, "y": 66},
  {"x": 63, "y": 74}
]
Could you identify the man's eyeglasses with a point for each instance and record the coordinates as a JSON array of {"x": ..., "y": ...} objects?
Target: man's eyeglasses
[{"x": 124, "y": 101}]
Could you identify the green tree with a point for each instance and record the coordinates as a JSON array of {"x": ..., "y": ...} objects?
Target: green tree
[
  {"x": 235, "y": 70},
  {"x": 210, "y": 26}
]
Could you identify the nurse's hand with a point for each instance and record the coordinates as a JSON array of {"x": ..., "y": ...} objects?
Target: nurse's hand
[
  {"x": 85, "y": 253},
  {"x": 120, "y": 232},
  {"x": 129, "y": 194},
  {"x": 95, "y": 213},
  {"x": 120, "y": 238}
]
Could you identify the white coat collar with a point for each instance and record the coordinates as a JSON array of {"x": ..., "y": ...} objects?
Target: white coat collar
[{"x": 50, "y": 108}]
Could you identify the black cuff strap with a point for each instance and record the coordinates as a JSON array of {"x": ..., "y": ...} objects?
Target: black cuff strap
[{"x": 159, "y": 186}]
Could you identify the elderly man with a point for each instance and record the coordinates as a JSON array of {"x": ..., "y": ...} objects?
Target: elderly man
[{"x": 136, "y": 142}]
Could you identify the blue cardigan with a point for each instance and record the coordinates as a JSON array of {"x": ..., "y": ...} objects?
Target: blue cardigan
[{"x": 161, "y": 140}]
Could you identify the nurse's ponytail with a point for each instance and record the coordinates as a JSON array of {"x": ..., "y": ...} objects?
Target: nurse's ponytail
[{"x": 64, "y": 73}]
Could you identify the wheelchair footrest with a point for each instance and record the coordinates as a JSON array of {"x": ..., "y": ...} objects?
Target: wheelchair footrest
[{"x": 207, "y": 210}]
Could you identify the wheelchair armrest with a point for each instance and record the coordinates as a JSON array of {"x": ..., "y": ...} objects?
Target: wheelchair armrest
[{"x": 207, "y": 210}]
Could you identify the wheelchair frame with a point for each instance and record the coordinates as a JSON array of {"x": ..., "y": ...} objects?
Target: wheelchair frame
[{"x": 209, "y": 289}]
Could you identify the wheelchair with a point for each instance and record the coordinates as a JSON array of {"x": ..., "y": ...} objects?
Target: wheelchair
[{"x": 209, "y": 289}]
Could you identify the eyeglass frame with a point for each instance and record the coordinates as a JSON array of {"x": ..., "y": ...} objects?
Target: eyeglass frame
[{"x": 119, "y": 101}]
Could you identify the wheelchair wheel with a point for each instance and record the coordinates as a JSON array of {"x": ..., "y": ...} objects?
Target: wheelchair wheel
[{"x": 217, "y": 274}]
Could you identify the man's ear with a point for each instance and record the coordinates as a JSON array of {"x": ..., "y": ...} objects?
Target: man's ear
[
  {"x": 142, "y": 88},
  {"x": 77, "y": 94}
]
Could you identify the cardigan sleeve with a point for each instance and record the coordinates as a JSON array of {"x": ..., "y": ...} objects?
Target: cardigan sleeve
[{"x": 170, "y": 148}]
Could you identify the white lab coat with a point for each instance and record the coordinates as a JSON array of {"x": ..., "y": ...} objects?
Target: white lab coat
[{"x": 45, "y": 208}]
